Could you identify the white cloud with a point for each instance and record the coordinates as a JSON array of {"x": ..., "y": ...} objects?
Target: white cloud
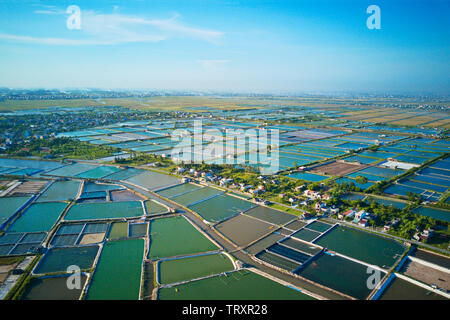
[{"x": 115, "y": 28}]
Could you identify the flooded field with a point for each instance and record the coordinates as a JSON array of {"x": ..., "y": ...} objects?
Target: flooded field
[
  {"x": 362, "y": 246},
  {"x": 105, "y": 210},
  {"x": 118, "y": 272},
  {"x": 168, "y": 238},
  {"x": 51, "y": 289},
  {"x": 57, "y": 260},
  {"x": 238, "y": 285},
  {"x": 172, "y": 271}
]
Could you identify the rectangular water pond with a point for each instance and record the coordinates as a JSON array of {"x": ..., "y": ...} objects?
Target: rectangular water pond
[
  {"x": 319, "y": 226},
  {"x": 52, "y": 289},
  {"x": 178, "y": 190},
  {"x": 339, "y": 274},
  {"x": 400, "y": 289},
  {"x": 264, "y": 243},
  {"x": 119, "y": 230},
  {"x": 387, "y": 202},
  {"x": 434, "y": 213},
  {"x": 175, "y": 236},
  {"x": 312, "y": 177},
  {"x": 98, "y": 172},
  {"x": 301, "y": 246},
  {"x": 71, "y": 170},
  {"x": 105, "y": 210},
  {"x": 100, "y": 187},
  {"x": 195, "y": 196},
  {"x": 138, "y": 230},
  {"x": 38, "y": 217},
  {"x": 289, "y": 253},
  {"x": 152, "y": 207},
  {"x": 243, "y": 230},
  {"x": 270, "y": 215},
  {"x": 363, "y": 246},
  {"x": 177, "y": 270},
  {"x": 278, "y": 261},
  {"x": 11, "y": 205},
  {"x": 60, "y": 191},
  {"x": 306, "y": 235},
  {"x": 221, "y": 207},
  {"x": 238, "y": 285},
  {"x": 118, "y": 272},
  {"x": 58, "y": 259},
  {"x": 124, "y": 174},
  {"x": 153, "y": 180}
]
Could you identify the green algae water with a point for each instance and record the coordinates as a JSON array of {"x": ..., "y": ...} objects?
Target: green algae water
[
  {"x": 362, "y": 246},
  {"x": 59, "y": 259},
  {"x": 38, "y": 217},
  {"x": 175, "y": 236},
  {"x": 118, "y": 273},
  {"x": 171, "y": 271},
  {"x": 105, "y": 210},
  {"x": 10, "y": 205},
  {"x": 153, "y": 207},
  {"x": 119, "y": 230},
  {"x": 238, "y": 285},
  {"x": 196, "y": 196},
  {"x": 221, "y": 207}
]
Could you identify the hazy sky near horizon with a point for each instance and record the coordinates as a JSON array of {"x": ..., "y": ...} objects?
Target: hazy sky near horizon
[{"x": 253, "y": 45}]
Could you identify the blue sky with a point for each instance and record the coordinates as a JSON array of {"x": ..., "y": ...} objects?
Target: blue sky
[{"x": 246, "y": 46}]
